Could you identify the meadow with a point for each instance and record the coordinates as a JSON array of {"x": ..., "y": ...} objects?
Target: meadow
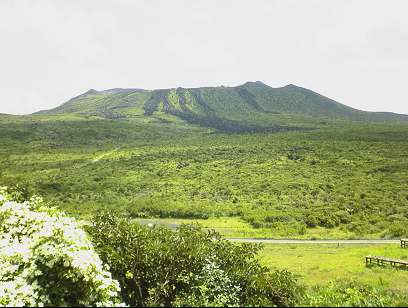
[{"x": 319, "y": 264}]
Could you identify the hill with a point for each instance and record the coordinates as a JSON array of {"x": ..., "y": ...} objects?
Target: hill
[{"x": 253, "y": 106}]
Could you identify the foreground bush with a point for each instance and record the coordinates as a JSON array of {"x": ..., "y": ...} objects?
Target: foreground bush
[
  {"x": 187, "y": 267},
  {"x": 346, "y": 293},
  {"x": 46, "y": 259}
]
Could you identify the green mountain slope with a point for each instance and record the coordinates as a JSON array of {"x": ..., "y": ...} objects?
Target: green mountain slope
[{"x": 253, "y": 106}]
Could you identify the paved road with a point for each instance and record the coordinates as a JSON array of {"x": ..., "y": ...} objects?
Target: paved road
[{"x": 270, "y": 241}]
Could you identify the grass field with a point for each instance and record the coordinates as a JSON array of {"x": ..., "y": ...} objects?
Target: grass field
[{"x": 318, "y": 264}]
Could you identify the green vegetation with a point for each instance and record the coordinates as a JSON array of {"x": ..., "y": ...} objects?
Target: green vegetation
[
  {"x": 318, "y": 264},
  {"x": 336, "y": 275},
  {"x": 158, "y": 267},
  {"x": 251, "y": 107},
  {"x": 352, "y": 294},
  {"x": 248, "y": 161},
  {"x": 236, "y": 227},
  {"x": 188, "y": 267},
  {"x": 346, "y": 181}
]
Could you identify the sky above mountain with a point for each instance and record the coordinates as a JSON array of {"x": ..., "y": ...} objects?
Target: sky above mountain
[{"x": 355, "y": 52}]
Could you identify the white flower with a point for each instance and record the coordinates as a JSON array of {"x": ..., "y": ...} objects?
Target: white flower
[{"x": 37, "y": 242}]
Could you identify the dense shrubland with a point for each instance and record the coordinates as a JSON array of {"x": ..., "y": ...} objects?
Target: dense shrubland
[{"x": 352, "y": 178}]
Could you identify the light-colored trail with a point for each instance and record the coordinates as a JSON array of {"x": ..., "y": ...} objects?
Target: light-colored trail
[
  {"x": 104, "y": 155},
  {"x": 96, "y": 159},
  {"x": 355, "y": 242}
]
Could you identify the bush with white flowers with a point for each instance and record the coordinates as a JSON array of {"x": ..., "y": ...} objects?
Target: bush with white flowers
[{"x": 46, "y": 259}]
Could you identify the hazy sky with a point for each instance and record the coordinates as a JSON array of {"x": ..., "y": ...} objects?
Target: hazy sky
[{"x": 355, "y": 52}]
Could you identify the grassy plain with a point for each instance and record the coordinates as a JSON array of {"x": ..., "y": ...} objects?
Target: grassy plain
[{"x": 317, "y": 264}]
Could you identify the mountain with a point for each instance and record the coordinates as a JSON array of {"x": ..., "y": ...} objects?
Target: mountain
[{"x": 251, "y": 106}]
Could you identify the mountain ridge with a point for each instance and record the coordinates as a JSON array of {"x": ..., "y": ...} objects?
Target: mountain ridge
[{"x": 254, "y": 105}]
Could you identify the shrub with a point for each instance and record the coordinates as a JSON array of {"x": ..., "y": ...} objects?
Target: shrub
[
  {"x": 18, "y": 192},
  {"x": 397, "y": 230},
  {"x": 311, "y": 220},
  {"x": 46, "y": 259},
  {"x": 323, "y": 219},
  {"x": 189, "y": 266},
  {"x": 360, "y": 227},
  {"x": 328, "y": 220}
]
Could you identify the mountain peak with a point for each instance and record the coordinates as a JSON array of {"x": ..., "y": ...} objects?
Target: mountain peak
[
  {"x": 121, "y": 90},
  {"x": 291, "y": 86},
  {"x": 254, "y": 83},
  {"x": 91, "y": 91}
]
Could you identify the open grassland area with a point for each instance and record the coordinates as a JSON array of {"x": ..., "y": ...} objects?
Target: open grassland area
[
  {"x": 344, "y": 180},
  {"x": 317, "y": 264}
]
